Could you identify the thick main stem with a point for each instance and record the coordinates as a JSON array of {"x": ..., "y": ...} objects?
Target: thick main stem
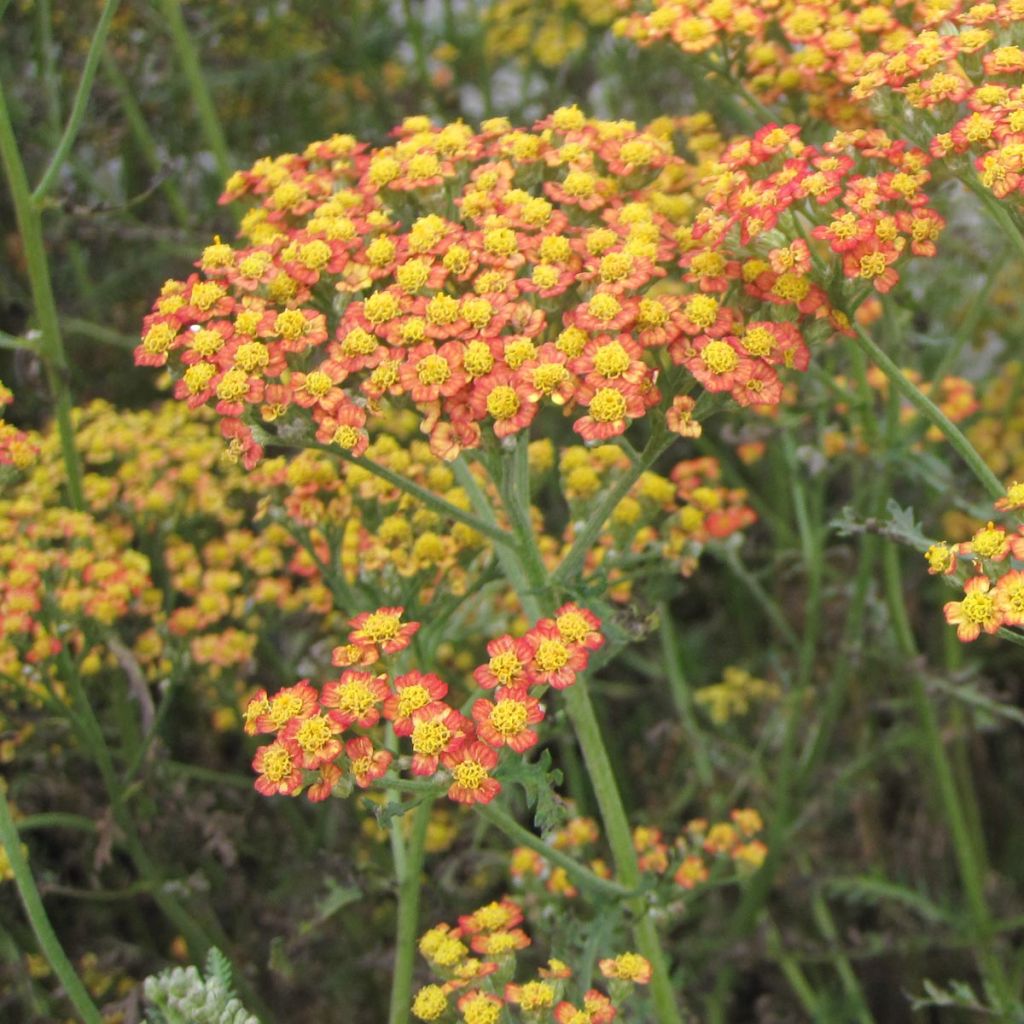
[
  {"x": 409, "y": 885},
  {"x": 620, "y": 839},
  {"x": 538, "y": 593}
]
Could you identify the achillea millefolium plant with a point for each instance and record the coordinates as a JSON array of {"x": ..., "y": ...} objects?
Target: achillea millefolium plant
[{"x": 530, "y": 503}]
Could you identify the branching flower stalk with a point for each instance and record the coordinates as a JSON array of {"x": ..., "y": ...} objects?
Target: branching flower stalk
[
  {"x": 931, "y": 412},
  {"x": 541, "y": 594}
]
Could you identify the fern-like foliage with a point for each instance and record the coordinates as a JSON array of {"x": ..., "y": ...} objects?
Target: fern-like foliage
[{"x": 181, "y": 995}]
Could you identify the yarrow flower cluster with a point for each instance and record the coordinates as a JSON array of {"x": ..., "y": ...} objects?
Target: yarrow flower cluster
[
  {"x": 861, "y": 194},
  {"x": 961, "y": 74},
  {"x": 78, "y": 585},
  {"x": 479, "y": 989},
  {"x": 685, "y": 861},
  {"x": 308, "y": 749},
  {"x": 63, "y": 577},
  {"x": 948, "y": 74},
  {"x": 804, "y": 54},
  {"x": 994, "y": 594},
  {"x": 830, "y": 57},
  {"x": 485, "y": 276}
]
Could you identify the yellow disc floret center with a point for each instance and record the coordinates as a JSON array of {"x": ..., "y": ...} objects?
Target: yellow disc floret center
[
  {"x": 314, "y": 734},
  {"x": 283, "y": 707},
  {"x": 277, "y": 764},
  {"x": 430, "y": 738},
  {"x": 611, "y": 360},
  {"x": 719, "y": 357},
  {"x": 412, "y": 698},
  {"x": 702, "y": 310},
  {"x": 381, "y": 627},
  {"x": 355, "y": 698},
  {"x": 318, "y": 384},
  {"x": 433, "y": 370},
  {"x": 551, "y": 655},
  {"x": 506, "y": 667},
  {"x": 469, "y": 774},
  {"x": 978, "y": 609},
  {"x": 503, "y": 402},
  {"x": 509, "y": 717},
  {"x": 608, "y": 405}
]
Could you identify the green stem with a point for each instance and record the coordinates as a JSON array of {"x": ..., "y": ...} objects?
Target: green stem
[
  {"x": 812, "y": 550},
  {"x": 727, "y": 553},
  {"x": 145, "y": 140},
  {"x": 81, "y": 101},
  {"x": 968, "y": 327},
  {"x": 853, "y": 631},
  {"x": 506, "y": 556},
  {"x": 597, "y": 886},
  {"x": 409, "y": 886},
  {"x": 620, "y": 839},
  {"x": 52, "y": 345},
  {"x": 517, "y": 505},
  {"x": 572, "y": 564},
  {"x": 681, "y": 696},
  {"x": 414, "y": 28},
  {"x": 971, "y": 874},
  {"x": 827, "y": 926},
  {"x": 931, "y": 412},
  {"x": 191, "y": 67},
  {"x": 538, "y": 594},
  {"x": 793, "y": 972},
  {"x": 489, "y": 528},
  {"x": 45, "y": 935},
  {"x": 787, "y": 774},
  {"x": 209, "y": 775},
  {"x": 867, "y": 556},
  {"x": 16, "y": 344},
  {"x": 56, "y": 819},
  {"x": 199, "y": 936},
  {"x": 47, "y": 70}
]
